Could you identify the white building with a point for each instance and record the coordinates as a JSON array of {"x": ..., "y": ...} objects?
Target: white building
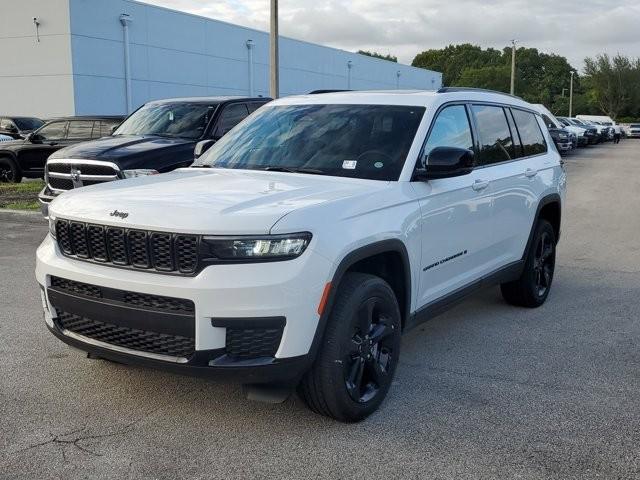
[{"x": 68, "y": 57}]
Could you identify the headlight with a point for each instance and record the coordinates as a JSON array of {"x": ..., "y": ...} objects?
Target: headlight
[
  {"x": 258, "y": 248},
  {"x": 52, "y": 226},
  {"x": 143, "y": 172}
]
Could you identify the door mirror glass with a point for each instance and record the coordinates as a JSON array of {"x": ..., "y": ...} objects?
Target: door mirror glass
[
  {"x": 445, "y": 162},
  {"x": 202, "y": 147},
  {"x": 35, "y": 138}
]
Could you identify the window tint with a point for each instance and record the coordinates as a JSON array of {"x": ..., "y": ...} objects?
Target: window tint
[
  {"x": 450, "y": 129},
  {"x": 254, "y": 106},
  {"x": 231, "y": 116},
  {"x": 53, "y": 131},
  {"x": 548, "y": 122},
  {"x": 80, "y": 130},
  {"x": 533, "y": 141},
  {"x": 514, "y": 134},
  {"x": 360, "y": 141},
  {"x": 103, "y": 128},
  {"x": 495, "y": 138}
]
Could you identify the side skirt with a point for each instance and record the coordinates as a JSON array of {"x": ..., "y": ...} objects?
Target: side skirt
[{"x": 505, "y": 274}]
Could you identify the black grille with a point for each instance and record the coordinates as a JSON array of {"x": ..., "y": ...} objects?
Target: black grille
[
  {"x": 97, "y": 243},
  {"x": 141, "y": 340},
  {"x": 156, "y": 302},
  {"x": 60, "y": 183},
  {"x": 78, "y": 234},
  {"x": 245, "y": 343},
  {"x": 139, "y": 300},
  {"x": 137, "y": 249},
  {"x": 59, "y": 167},
  {"x": 76, "y": 287},
  {"x": 95, "y": 170}
]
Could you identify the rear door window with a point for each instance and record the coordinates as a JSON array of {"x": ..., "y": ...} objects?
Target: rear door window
[
  {"x": 80, "y": 129},
  {"x": 496, "y": 144},
  {"x": 231, "y": 116},
  {"x": 533, "y": 142}
]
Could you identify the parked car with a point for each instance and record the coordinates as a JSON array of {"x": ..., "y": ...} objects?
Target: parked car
[
  {"x": 551, "y": 121},
  {"x": 19, "y": 127},
  {"x": 591, "y": 135},
  {"x": 27, "y": 157},
  {"x": 562, "y": 139},
  {"x": 158, "y": 137},
  {"x": 300, "y": 246},
  {"x": 634, "y": 130}
]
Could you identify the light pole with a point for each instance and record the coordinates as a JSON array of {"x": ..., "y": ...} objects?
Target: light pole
[
  {"x": 274, "y": 81},
  {"x": 249, "y": 44},
  {"x": 513, "y": 67},
  {"x": 571, "y": 96}
]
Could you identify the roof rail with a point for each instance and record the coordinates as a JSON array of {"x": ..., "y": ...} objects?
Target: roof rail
[
  {"x": 315, "y": 92},
  {"x": 472, "y": 89}
]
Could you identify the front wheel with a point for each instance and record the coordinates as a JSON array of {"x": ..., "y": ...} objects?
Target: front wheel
[
  {"x": 532, "y": 288},
  {"x": 359, "y": 353},
  {"x": 9, "y": 171}
]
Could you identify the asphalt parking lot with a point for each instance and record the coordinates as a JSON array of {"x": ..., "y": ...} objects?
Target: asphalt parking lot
[{"x": 484, "y": 391}]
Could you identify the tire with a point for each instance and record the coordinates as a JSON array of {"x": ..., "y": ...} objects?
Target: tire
[
  {"x": 352, "y": 372},
  {"x": 9, "y": 171},
  {"x": 532, "y": 288}
]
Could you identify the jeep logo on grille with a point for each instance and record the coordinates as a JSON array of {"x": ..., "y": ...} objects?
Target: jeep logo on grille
[{"x": 122, "y": 215}]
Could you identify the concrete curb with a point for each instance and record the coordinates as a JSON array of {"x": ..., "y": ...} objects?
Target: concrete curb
[{"x": 23, "y": 216}]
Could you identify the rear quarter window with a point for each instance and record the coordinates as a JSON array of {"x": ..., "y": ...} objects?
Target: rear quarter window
[{"x": 533, "y": 142}]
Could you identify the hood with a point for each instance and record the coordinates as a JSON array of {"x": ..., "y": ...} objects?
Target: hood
[
  {"x": 131, "y": 151},
  {"x": 208, "y": 201}
]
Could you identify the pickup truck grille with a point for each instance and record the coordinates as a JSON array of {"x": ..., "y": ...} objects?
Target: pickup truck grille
[
  {"x": 69, "y": 174},
  {"x": 129, "y": 248}
]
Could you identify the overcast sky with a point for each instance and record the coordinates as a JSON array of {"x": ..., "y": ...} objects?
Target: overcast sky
[{"x": 572, "y": 28}]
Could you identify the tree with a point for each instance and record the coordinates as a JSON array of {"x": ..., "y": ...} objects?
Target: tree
[
  {"x": 614, "y": 84},
  {"x": 389, "y": 57}
]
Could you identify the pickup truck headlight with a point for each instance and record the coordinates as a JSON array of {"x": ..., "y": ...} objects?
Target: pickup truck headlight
[
  {"x": 142, "y": 172},
  {"x": 52, "y": 226},
  {"x": 258, "y": 248}
]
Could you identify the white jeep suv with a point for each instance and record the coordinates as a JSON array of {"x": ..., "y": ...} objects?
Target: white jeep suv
[{"x": 296, "y": 251}]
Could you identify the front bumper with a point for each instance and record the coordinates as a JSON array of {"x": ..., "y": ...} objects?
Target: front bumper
[
  {"x": 45, "y": 197},
  {"x": 564, "y": 145},
  {"x": 222, "y": 295}
]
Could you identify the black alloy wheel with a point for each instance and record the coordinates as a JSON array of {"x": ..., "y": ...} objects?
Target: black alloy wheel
[{"x": 369, "y": 351}]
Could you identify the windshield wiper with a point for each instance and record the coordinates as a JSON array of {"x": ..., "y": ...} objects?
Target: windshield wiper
[{"x": 311, "y": 171}]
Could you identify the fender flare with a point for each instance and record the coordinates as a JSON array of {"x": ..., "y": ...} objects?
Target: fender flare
[
  {"x": 350, "y": 259},
  {"x": 544, "y": 201}
]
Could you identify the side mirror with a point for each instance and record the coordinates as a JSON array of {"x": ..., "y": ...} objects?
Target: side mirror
[
  {"x": 445, "y": 162},
  {"x": 114, "y": 128},
  {"x": 201, "y": 147},
  {"x": 34, "y": 137}
]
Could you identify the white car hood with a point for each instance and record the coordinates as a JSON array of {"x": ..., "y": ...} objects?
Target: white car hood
[
  {"x": 213, "y": 201},
  {"x": 579, "y": 131}
]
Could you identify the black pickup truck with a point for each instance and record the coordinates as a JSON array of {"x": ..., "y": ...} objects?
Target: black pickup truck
[
  {"x": 159, "y": 137},
  {"x": 26, "y": 157}
]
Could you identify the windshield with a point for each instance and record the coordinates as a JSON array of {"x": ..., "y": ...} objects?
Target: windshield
[
  {"x": 362, "y": 141},
  {"x": 28, "y": 123},
  {"x": 634, "y": 125},
  {"x": 185, "y": 120}
]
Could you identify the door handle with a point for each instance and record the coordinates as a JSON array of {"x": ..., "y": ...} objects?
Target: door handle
[
  {"x": 530, "y": 172},
  {"x": 479, "y": 185}
]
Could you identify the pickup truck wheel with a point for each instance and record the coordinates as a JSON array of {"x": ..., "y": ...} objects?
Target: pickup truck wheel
[
  {"x": 532, "y": 288},
  {"x": 9, "y": 171},
  {"x": 354, "y": 368}
]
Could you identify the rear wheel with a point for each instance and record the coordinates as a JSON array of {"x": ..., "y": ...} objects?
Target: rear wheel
[
  {"x": 356, "y": 362},
  {"x": 532, "y": 288},
  {"x": 9, "y": 171}
]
